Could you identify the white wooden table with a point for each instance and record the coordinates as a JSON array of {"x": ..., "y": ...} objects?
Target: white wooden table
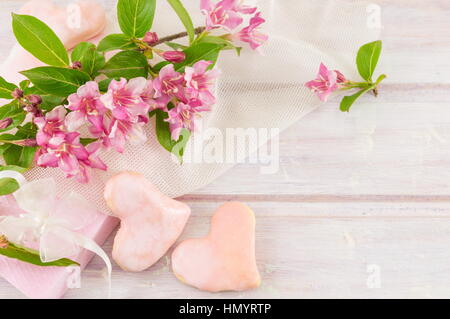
[{"x": 361, "y": 205}]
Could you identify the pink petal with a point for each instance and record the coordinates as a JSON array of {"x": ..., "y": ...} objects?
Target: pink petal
[
  {"x": 120, "y": 113},
  {"x": 323, "y": 71},
  {"x": 136, "y": 86},
  {"x": 89, "y": 90},
  {"x": 201, "y": 66},
  {"x": 57, "y": 114},
  {"x": 136, "y": 134},
  {"x": 74, "y": 120},
  {"x": 74, "y": 102},
  {"x": 117, "y": 85},
  {"x": 234, "y": 20},
  {"x": 97, "y": 122},
  {"x": 206, "y": 5},
  {"x": 80, "y": 152},
  {"x": 68, "y": 163},
  {"x": 47, "y": 160}
]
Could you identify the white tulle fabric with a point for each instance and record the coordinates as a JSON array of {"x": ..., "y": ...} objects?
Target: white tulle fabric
[{"x": 254, "y": 91}]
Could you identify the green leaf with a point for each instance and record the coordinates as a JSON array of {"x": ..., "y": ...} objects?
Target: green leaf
[
  {"x": 28, "y": 130},
  {"x": 91, "y": 60},
  {"x": 176, "y": 46},
  {"x": 9, "y": 110},
  {"x": 17, "y": 118},
  {"x": 165, "y": 139},
  {"x": 104, "y": 84},
  {"x": 32, "y": 256},
  {"x": 24, "y": 85},
  {"x": 198, "y": 52},
  {"x": 49, "y": 101},
  {"x": 136, "y": 16},
  {"x": 38, "y": 39},
  {"x": 20, "y": 156},
  {"x": 184, "y": 17},
  {"x": 21, "y": 170},
  {"x": 156, "y": 68},
  {"x": 116, "y": 42},
  {"x": 380, "y": 79},
  {"x": 13, "y": 111},
  {"x": 56, "y": 81},
  {"x": 6, "y": 89},
  {"x": 348, "y": 101},
  {"x": 367, "y": 59},
  {"x": 126, "y": 64},
  {"x": 8, "y": 186},
  {"x": 87, "y": 141},
  {"x": 227, "y": 45}
]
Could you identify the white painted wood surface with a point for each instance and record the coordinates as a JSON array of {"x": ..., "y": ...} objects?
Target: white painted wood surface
[{"x": 359, "y": 197}]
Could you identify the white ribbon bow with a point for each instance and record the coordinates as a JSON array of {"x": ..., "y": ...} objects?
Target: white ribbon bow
[{"x": 49, "y": 220}]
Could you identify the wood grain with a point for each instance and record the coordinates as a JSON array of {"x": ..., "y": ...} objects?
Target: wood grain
[{"x": 358, "y": 197}]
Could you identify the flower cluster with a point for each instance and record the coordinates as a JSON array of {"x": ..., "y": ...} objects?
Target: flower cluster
[
  {"x": 62, "y": 148},
  {"x": 190, "y": 94},
  {"x": 229, "y": 14},
  {"x": 119, "y": 116},
  {"x": 92, "y": 102}
]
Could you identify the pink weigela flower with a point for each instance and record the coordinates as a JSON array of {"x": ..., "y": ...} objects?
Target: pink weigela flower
[
  {"x": 200, "y": 82},
  {"x": 326, "y": 83},
  {"x": 51, "y": 127},
  {"x": 168, "y": 84},
  {"x": 129, "y": 103},
  {"x": 86, "y": 105},
  {"x": 251, "y": 34},
  {"x": 124, "y": 99},
  {"x": 225, "y": 13},
  {"x": 184, "y": 116},
  {"x": 60, "y": 148},
  {"x": 121, "y": 132}
]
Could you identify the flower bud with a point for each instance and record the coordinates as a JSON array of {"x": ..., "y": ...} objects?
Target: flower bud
[
  {"x": 17, "y": 93},
  {"x": 76, "y": 65},
  {"x": 174, "y": 56},
  {"x": 340, "y": 77},
  {"x": 33, "y": 109},
  {"x": 34, "y": 99},
  {"x": 30, "y": 142},
  {"x": 5, "y": 123},
  {"x": 151, "y": 38},
  {"x": 4, "y": 243}
]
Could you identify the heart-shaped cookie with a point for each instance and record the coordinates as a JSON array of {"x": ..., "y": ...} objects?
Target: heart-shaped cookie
[
  {"x": 151, "y": 222},
  {"x": 224, "y": 260},
  {"x": 78, "y": 21}
]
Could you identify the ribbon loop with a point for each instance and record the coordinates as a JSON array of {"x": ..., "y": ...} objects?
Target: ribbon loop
[{"x": 51, "y": 221}]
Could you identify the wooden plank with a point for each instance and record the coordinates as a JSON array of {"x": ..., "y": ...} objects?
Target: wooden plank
[
  {"x": 377, "y": 149},
  {"x": 359, "y": 197},
  {"x": 307, "y": 250}
]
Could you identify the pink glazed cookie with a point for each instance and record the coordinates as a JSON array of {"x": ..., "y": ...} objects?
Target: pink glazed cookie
[
  {"x": 225, "y": 259},
  {"x": 151, "y": 222}
]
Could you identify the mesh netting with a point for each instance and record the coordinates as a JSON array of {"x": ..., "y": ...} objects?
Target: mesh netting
[{"x": 254, "y": 91}]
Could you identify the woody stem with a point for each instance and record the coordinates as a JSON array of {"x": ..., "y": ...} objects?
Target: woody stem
[{"x": 178, "y": 36}]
